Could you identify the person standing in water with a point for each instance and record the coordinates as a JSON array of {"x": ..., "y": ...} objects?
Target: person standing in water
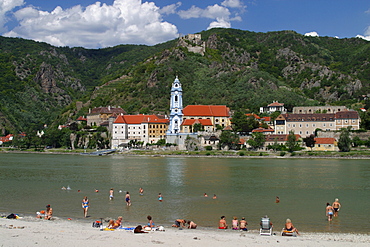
[
  {"x": 336, "y": 206},
  {"x": 111, "y": 196},
  {"x": 160, "y": 197},
  {"x": 49, "y": 212},
  {"x": 329, "y": 211},
  {"x": 85, "y": 205},
  {"x": 141, "y": 191},
  {"x": 128, "y": 199}
]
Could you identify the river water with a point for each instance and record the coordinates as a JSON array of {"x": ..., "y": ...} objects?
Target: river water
[{"x": 244, "y": 187}]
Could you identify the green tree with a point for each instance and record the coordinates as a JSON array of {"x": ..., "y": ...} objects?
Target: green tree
[
  {"x": 344, "y": 142},
  {"x": 257, "y": 141},
  {"x": 292, "y": 143},
  {"x": 229, "y": 138},
  {"x": 197, "y": 127},
  {"x": 309, "y": 141}
]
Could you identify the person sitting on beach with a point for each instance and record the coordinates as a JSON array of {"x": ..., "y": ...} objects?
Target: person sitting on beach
[
  {"x": 336, "y": 206},
  {"x": 179, "y": 223},
  {"x": 329, "y": 211},
  {"x": 266, "y": 219},
  {"x": 290, "y": 227},
  {"x": 191, "y": 224},
  {"x": 49, "y": 212},
  {"x": 243, "y": 224},
  {"x": 139, "y": 229},
  {"x": 150, "y": 221},
  {"x": 222, "y": 223},
  {"x": 115, "y": 224},
  {"x": 234, "y": 223}
]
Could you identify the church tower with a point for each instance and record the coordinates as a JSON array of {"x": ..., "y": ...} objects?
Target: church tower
[{"x": 175, "y": 108}]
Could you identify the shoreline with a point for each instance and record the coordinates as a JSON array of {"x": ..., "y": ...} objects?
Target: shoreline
[
  {"x": 30, "y": 231},
  {"x": 199, "y": 156}
]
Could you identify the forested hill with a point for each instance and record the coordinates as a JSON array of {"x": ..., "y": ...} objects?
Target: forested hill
[{"x": 39, "y": 83}]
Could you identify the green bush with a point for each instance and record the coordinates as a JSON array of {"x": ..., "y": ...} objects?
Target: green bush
[
  {"x": 241, "y": 153},
  {"x": 208, "y": 153},
  {"x": 282, "y": 153},
  {"x": 208, "y": 148}
]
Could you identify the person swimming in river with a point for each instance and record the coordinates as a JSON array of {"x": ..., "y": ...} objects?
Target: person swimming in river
[{"x": 141, "y": 191}]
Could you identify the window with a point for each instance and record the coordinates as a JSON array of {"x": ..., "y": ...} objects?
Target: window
[{"x": 300, "y": 125}]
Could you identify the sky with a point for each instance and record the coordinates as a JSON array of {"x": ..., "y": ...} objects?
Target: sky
[{"x": 93, "y": 24}]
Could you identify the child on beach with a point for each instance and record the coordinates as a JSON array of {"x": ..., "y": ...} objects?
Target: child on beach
[
  {"x": 111, "y": 194},
  {"x": 150, "y": 221}
]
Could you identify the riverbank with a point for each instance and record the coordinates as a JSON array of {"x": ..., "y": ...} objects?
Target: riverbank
[
  {"x": 58, "y": 232},
  {"x": 355, "y": 154}
]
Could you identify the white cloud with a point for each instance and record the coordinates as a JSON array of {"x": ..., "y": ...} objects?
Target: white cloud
[
  {"x": 219, "y": 23},
  {"x": 170, "y": 9},
  {"x": 97, "y": 25},
  {"x": 5, "y": 7},
  {"x": 233, "y": 4},
  {"x": 366, "y": 35},
  {"x": 312, "y": 34},
  {"x": 211, "y": 12}
]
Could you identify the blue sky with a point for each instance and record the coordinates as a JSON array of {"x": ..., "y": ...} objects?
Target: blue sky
[{"x": 93, "y": 24}]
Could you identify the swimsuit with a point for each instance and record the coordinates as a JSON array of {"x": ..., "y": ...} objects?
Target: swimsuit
[
  {"x": 127, "y": 199},
  {"x": 336, "y": 209},
  {"x": 160, "y": 198},
  {"x": 290, "y": 229},
  {"x": 86, "y": 204},
  {"x": 330, "y": 213},
  {"x": 222, "y": 227}
]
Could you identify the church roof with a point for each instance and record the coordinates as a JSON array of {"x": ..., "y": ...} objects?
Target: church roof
[
  {"x": 204, "y": 122},
  {"x": 275, "y": 103},
  {"x": 206, "y": 110}
]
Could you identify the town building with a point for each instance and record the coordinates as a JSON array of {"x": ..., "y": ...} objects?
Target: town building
[
  {"x": 144, "y": 128},
  {"x": 307, "y": 124},
  {"x": 318, "y": 109},
  {"x": 273, "y": 107},
  {"x": 99, "y": 115},
  {"x": 212, "y": 116},
  {"x": 325, "y": 144}
]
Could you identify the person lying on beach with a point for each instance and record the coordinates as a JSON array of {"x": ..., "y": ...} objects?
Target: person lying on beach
[
  {"x": 290, "y": 227},
  {"x": 243, "y": 224},
  {"x": 222, "y": 223},
  {"x": 139, "y": 229},
  {"x": 179, "y": 223},
  {"x": 115, "y": 224},
  {"x": 49, "y": 212},
  {"x": 191, "y": 224}
]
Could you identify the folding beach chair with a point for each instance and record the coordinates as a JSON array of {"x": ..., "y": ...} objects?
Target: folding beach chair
[{"x": 266, "y": 226}]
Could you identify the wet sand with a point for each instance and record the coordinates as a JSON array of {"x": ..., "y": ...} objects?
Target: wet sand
[{"x": 59, "y": 232}]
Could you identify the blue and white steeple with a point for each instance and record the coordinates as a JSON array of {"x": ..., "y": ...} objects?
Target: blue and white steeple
[{"x": 175, "y": 108}]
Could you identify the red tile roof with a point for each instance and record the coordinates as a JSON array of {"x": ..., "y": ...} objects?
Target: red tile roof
[
  {"x": 80, "y": 118},
  {"x": 266, "y": 119},
  {"x": 6, "y": 138},
  {"x": 346, "y": 115},
  {"x": 276, "y": 104},
  {"x": 207, "y": 110},
  {"x": 280, "y": 138},
  {"x": 253, "y": 115},
  {"x": 260, "y": 129},
  {"x": 204, "y": 122},
  {"x": 319, "y": 140},
  {"x": 139, "y": 119}
]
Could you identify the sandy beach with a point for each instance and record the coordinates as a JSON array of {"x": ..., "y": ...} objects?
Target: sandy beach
[{"x": 58, "y": 232}]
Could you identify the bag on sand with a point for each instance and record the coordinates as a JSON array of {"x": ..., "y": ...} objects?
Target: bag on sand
[
  {"x": 96, "y": 224},
  {"x": 11, "y": 216}
]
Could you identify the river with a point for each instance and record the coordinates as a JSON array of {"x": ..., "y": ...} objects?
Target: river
[{"x": 245, "y": 187}]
